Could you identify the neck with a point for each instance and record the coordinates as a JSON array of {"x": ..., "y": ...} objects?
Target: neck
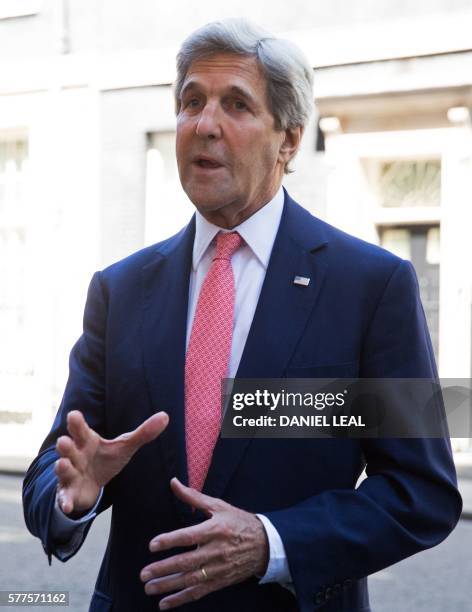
[{"x": 231, "y": 216}]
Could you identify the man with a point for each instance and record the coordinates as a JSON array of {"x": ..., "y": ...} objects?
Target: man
[{"x": 266, "y": 525}]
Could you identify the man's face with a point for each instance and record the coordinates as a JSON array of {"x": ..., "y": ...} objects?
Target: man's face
[{"x": 230, "y": 157}]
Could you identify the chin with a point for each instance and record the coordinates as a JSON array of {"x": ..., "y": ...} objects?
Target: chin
[
  {"x": 206, "y": 200},
  {"x": 205, "y": 207}
]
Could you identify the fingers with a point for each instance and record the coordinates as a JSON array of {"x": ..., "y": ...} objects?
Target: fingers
[
  {"x": 195, "y": 498},
  {"x": 150, "y": 429},
  {"x": 175, "y": 582},
  {"x": 146, "y": 432},
  {"x": 187, "y": 536},
  {"x": 163, "y": 585},
  {"x": 88, "y": 461},
  {"x": 67, "y": 448},
  {"x": 186, "y": 596},
  {"x": 189, "y": 586},
  {"x": 184, "y": 562},
  {"x": 78, "y": 429},
  {"x": 66, "y": 473},
  {"x": 201, "y": 582}
]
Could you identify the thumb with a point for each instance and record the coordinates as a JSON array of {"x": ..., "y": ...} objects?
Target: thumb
[
  {"x": 194, "y": 498},
  {"x": 146, "y": 432}
]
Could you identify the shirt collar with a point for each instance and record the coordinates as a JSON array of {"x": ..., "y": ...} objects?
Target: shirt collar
[{"x": 258, "y": 232}]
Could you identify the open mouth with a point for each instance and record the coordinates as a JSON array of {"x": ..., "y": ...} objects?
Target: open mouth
[{"x": 207, "y": 163}]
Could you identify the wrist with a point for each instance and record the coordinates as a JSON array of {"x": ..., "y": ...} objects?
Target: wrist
[
  {"x": 75, "y": 515},
  {"x": 263, "y": 562}
]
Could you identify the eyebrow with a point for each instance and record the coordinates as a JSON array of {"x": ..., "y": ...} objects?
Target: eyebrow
[{"x": 234, "y": 89}]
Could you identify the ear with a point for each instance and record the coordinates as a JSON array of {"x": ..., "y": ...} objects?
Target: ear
[{"x": 290, "y": 143}]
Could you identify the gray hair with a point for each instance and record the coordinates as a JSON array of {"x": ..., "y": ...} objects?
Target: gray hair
[{"x": 288, "y": 73}]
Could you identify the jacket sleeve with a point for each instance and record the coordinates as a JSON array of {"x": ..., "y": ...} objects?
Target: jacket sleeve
[
  {"x": 85, "y": 391},
  {"x": 408, "y": 502}
]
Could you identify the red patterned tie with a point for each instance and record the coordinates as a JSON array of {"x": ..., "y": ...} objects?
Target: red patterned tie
[{"x": 207, "y": 359}]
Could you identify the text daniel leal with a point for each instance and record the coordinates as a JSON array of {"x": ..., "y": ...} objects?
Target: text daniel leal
[{"x": 312, "y": 420}]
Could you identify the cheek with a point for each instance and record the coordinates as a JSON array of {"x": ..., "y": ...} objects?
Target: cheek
[
  {"x": 183, "y": 134},
  {"x": 255, "y": 147},
  {"x": 180, "y": 150},
  {"x": 179, "y": 139},
  {"x": 265, "y": 156},
  {"x": 256, "y": 160},
  {"x": 178, "y": 144}
]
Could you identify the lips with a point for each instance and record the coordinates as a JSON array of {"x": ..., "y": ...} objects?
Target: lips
[{"x": 207, "y": 162}]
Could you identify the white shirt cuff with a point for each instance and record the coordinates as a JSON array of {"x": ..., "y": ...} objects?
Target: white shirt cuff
[{"x": 277, "y": 568}]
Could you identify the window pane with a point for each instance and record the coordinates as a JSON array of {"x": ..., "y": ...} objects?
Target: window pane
[
  {"x": 432, "y": 245},
  {"x": 410, "y": 183},
  {"x": 397, "y": 241}
]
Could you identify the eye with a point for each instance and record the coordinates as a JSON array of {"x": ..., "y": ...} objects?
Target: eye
[
  {"x": 191, "y": 103},
  {"x": 240, "y": 105}
]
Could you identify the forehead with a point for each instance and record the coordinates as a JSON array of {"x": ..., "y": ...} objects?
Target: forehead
[{"x": 226, "y": 70}]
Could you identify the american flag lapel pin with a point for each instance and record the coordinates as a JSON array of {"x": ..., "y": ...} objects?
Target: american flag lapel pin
[{"x": 301, "y": 280}]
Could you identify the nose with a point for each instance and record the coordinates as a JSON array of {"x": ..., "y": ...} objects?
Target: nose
[{"x": 208, "y": 124}]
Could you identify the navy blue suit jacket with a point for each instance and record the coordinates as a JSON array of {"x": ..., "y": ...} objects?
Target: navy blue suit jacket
[{"x": 359, "y": 316}]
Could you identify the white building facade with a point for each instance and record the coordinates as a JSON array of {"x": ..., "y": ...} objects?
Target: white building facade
[{"x": 87, "y": 171}]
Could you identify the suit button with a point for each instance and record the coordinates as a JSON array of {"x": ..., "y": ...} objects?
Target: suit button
[
  {"x": 347, "y": 582},
  {"x": 329, "y": 593},
  {"x": 319, "y": 598}
]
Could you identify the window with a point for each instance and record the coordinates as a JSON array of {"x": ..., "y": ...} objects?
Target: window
[
  {"x": 167, "y": 207},
  {"x": 397, "y": 240},
  {"x": 409, "y": 183}
]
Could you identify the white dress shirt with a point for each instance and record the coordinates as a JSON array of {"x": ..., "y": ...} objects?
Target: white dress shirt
[{"x": 249, "y": 268}]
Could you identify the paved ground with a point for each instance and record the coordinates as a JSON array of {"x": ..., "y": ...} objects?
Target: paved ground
[
  {"x": 24, "y": 564},
  {"x": 438, "y": 580}
]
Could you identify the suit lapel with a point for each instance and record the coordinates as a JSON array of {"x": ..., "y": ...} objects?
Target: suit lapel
[
  {"x": 165, "y": 305},
  {"x": 279, "y": 320}
]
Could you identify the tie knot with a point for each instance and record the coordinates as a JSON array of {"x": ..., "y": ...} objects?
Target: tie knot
[{"x": 227, "y": 244}]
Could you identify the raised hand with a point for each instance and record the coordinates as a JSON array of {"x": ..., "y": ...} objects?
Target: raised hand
[
  {"x": 231, "y": 546},
  {"x": 89, "y": 462}
]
